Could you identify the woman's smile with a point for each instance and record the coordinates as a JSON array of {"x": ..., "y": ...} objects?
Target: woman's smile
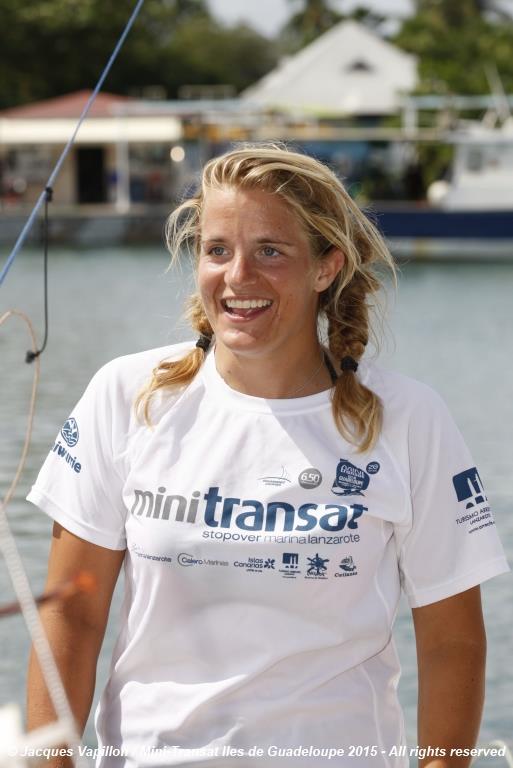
[
  {"x": 257, "y": 276},
  {"x": 243, "y": 309}
]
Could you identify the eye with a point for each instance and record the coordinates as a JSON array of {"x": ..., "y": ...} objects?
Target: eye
[
  {"x": 269, "y": 252},
  {"x": 216, "y": 250}
]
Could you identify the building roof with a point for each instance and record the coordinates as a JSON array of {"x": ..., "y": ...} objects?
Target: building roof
[
  {"x": 111, "y": 119},
  {"x": 348, "y": 70},
  {"x": 69, "y": 105}
]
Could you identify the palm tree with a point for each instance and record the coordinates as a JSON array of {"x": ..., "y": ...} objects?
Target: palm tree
[
  {"x": 464, "y": 10},
  {"x": 314, "y": 18}
]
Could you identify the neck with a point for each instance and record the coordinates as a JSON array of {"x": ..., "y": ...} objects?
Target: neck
[{"x": 267, "y": 377}]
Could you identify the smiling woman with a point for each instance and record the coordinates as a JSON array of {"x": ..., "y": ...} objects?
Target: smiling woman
[
  {"x": 260, "y": 289},
  {"x": 280, "y": 492},
  {"x": 280, "y": 247}
]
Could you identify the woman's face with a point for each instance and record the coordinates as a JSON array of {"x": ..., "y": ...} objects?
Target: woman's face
[{"x": 257, "y": 278}]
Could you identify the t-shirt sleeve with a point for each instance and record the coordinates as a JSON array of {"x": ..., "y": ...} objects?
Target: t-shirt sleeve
[
  {"x": 80, "y": 483},
  {"x": 450, "y": 543}
]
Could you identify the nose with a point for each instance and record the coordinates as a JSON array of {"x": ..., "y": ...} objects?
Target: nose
[{"x": 240, "y": 269}]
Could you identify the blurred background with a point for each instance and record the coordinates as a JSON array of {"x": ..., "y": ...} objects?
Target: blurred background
[{"x": 408, "y": 102}]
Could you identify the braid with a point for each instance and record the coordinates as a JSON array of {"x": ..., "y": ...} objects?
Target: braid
[
  {"x": 197, "y": 317},
  {"x": 356, "y": 409},
  {"x": 178, "y": 372},
  {"x": 348, "y": 321},
  {"x": 331, "y": 219}
]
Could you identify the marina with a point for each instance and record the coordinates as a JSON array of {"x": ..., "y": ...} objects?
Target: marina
[
  {"x": 108, "y": 186},
  {"x": 117, "y": 301},
  {"x": 467, "y": 215}
]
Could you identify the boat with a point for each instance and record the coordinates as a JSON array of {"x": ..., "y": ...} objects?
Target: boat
[{"x": 470, "y": 213}]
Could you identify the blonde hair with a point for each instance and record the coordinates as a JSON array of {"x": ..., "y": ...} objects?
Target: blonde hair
[{"x": 330, "y": 218}]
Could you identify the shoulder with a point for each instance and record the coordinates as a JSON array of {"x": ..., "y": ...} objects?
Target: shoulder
[
  {"x": 121, "y": 379},
  {"x": 404, "y": 398},
  {"x": 417, "y": 425},
  {"x": 135, "y": 368}
]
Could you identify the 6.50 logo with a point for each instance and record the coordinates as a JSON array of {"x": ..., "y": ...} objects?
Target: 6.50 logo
[{"x": 310, "y": 478}]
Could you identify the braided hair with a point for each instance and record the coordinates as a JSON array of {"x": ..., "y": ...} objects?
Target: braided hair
[{"x": 331, "y": 219}]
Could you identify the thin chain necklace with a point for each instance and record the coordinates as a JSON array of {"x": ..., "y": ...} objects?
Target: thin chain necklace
[
  {"x": 309, "y": 379},
  {"x": 305, "y": 383}
]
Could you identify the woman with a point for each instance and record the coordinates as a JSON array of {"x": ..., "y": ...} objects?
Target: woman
[{"x": 269, "y": 495}]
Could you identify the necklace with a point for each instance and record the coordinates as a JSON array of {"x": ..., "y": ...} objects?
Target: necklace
[
  {"x": 309, "y": 379},
  {"x": 324, "y": 361}
]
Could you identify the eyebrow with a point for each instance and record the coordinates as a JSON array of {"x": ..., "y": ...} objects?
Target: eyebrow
[{"x": 260, "y": 240}]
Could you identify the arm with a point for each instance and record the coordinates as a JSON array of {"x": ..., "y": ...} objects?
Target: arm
[
  {"x": 451, "y": 654},
  {"x": 75, "y": 627}
]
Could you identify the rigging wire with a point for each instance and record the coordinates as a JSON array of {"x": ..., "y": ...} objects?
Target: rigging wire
[
  {"x": 19, "y": 576},
  {"x": 26, "y": 601},
  {"x": 31, "y": 355},
  {"x": 51, "y": 180},
  {"x": 8, "y": 547}
]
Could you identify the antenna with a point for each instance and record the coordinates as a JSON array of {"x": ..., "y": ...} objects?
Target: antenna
[{"x": 502, "y": 107}]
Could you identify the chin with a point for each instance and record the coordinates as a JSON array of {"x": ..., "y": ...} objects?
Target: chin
[{"x": 240, "y": 342}]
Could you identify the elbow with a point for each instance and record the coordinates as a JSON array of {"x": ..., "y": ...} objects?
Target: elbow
[
  {"x": 469, "y": 650},
  {"x": 73, "y": 623}
]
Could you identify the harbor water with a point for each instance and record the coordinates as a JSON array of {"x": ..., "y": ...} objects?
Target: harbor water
[{"x": 449, "y": 325}]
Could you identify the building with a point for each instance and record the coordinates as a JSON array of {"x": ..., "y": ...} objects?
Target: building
[
  {"x": 125, "y": 151},
  {"x": 348, "y": 71}
]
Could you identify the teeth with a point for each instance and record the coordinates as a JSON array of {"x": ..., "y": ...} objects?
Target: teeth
[{"x": 247, "y": 304}]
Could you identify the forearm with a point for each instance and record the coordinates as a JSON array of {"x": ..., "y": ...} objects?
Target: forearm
[
  {"x": 451, "y": 695},
  {"x": 76, "y": 650}
]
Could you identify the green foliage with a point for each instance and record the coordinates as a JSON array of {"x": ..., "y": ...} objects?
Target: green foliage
[
  {"x": 314, "y": 18},
  {"x": 455, "y": 43},
  {"x": 52, "y": 47},
  {"x": 318, "y": 16},
  {"x": 435, "y": 160},
  {"x": 213, "y": 54}
]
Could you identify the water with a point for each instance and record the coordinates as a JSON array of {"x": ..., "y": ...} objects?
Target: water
[{"x": 451, "y": 326}]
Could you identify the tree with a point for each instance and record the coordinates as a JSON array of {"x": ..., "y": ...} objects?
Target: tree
[
  {"x": 210, "y": 54},
  {"x": 456, "y": 42},
  {"x": 51, "y": 47},
  {"x": 315, "y": 17}
]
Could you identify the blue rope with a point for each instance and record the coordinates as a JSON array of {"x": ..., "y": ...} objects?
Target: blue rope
[{"x": 50, "y": 183}]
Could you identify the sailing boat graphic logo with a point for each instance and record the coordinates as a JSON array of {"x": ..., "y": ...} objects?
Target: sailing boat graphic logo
[
  {"x": 281, "y": 479},
  {"x": 469, "y": 488},
  {"x": 70, "y": 432}
]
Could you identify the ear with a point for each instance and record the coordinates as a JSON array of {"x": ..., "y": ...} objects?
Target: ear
[{"x": 328, "y": 268}]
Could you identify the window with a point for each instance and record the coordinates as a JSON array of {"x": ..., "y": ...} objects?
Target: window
[{"x": 359, "y": 65}]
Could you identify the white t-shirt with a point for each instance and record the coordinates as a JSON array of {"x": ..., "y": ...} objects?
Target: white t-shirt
[{"x": 264, "y": 561}]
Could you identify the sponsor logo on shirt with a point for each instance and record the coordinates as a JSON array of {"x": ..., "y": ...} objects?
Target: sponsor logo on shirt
[
  {"x": 317, "y": 568},
  {"x": 281, "y": 479},
  {"x": 244, "y": 514},
  {"x": 290, "y": 565},
  {"x": 310, "y": 478},
  {"x": 256, "y": 564},
  {"x": 350, "y": 480},
  {"x": 70, "y": 432},
  {"x": 469, "y": 488},
  {"x": 347, "y": 567},
  {"x": 70, "y": 436},
  {"x": 63, "y": 453},
  {"x": 146, "y": 556},
  {"x": 470, "y": 492},
  {"x": 189, "y": 560}
]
